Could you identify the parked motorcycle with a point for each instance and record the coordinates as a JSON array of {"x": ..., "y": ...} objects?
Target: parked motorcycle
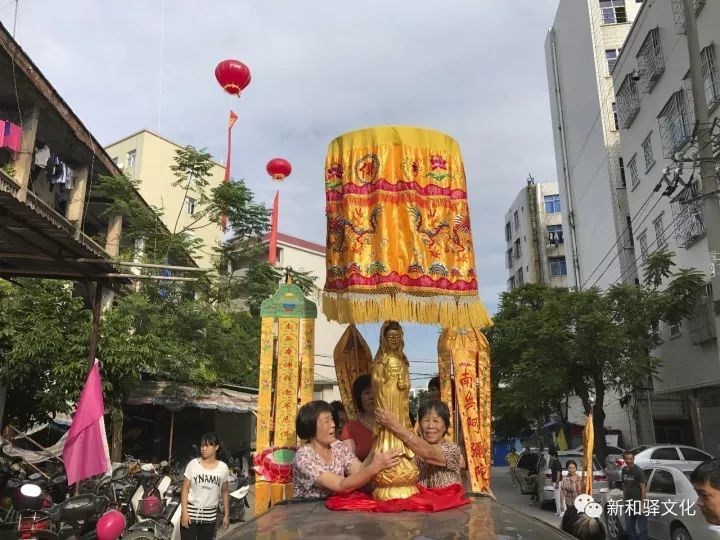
[
  {"x": 166, "y": 525},
  {"x": 39, "y": 518}
]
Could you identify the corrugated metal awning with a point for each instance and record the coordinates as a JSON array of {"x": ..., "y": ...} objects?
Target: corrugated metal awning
[{"x": 175, "y": 398}]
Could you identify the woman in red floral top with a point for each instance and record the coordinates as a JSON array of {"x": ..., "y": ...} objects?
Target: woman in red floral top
[
  {"x": 324, "y": 465},
  {"x": 440, "y": 462}
]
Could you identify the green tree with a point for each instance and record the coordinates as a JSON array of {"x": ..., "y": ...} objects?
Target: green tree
[{"x": 549, "y": 343}]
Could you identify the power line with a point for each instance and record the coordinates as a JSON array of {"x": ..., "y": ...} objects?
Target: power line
[
  {"x": 607, "y": 156},
  {"x": 625, "y": 272}
]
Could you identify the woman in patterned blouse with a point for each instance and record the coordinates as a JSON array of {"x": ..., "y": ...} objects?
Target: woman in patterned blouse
[
  {"x": 324, "y": 465},
  {"x": 440, "y": 462}
]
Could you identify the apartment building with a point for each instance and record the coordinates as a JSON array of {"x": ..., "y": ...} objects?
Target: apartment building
[
  {"x": 657, "y": 121},
  {"x": 581, "y": 50},
  {"x": 148, "y": 157},
  {"x": 534, "y": 237}
]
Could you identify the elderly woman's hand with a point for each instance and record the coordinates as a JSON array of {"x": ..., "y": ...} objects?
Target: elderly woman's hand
[
  {"x": 386, "y": 460},
  {"x": 387, "y": 419}
]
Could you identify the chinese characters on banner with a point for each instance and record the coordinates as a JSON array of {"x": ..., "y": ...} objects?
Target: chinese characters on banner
[
  {"x": 286, "y": 393},
  {"x": 307, "y": 371},
  {"x": 265, "y": 379},
  {"x": 471, "y": 372}
]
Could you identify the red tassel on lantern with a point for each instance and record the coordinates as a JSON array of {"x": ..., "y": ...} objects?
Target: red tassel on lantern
[{"x": 233, "y": 76}]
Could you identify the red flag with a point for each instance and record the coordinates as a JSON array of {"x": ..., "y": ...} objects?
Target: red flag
[
  {"x": 86, "y": 450},
  {"x": 272, "y": 255},
  {"x": 231, "y": 122}
]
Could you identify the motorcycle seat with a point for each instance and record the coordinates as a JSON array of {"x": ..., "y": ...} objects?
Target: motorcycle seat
[{"x": 80, "y": 508}]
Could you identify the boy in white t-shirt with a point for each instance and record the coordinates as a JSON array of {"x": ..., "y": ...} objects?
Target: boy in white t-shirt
[{"x": 206, "y": 479}]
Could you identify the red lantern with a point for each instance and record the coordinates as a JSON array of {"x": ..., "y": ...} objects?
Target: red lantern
[
  {"x": 233, "y": 76},
  {"x": 279, "y": 169}
]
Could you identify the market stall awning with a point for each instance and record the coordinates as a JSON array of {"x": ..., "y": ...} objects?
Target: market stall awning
[{"x": 175, "y": 398}]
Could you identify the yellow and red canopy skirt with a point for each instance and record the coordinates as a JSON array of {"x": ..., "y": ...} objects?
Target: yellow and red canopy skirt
[{"x": 399, "y": 243}]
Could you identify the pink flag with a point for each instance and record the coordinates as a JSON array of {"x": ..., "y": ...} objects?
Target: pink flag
[{"x": 86, "y": 449}]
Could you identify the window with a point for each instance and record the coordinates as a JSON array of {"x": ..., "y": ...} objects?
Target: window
[
  {"x": 115, "y": 160},
  {"x": 621, "y": 163},
  {"x": 520, "y": 277},
  {"x": 662, "y": 482},
  {"x": 616, "y": 125},
  {"x": 516, "y": 249},
  {"x": 651, "y": 63},
  {"x": 634, "y": 176},
  {"x": 611, "y": 55},
  {"x": 190, "y": 205},
  {"x": 675, "y": 329},
  {"x": 131, "y": 155},
  {"x": 710, "y": 75},
  {"x": 509, "y": 258},
  {"x": 552, "y": 204},
  {"x": 648, "y": 152},
  {"x": 628, "y": 100},
  {"x": 629, "y": 228},
  {"x": 517, "y": 221},
  {"x": 511, "y": 283},
  {"x": 666, "y": 453},
  {"x": 642, "y": 240},
  {"x": 555, "y": 234},
  {"x": 676, "y": 123},
  {"x": 613, "y": 11},
  {"x": 660, "y": 232},
  {"x": 558, "y": 266},
  {"x": 508, "y": 232},
  {"x": 693, "y": 454}
]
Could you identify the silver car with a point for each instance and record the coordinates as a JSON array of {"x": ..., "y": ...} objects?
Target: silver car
[
  {"x": 685, "y": 458},
  {"x": 671, "y": 501},
  {"x": 544, "y": 478}
]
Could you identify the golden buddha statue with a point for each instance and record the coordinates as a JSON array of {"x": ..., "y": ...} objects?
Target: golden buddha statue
[{"x": 391, "y": 384}]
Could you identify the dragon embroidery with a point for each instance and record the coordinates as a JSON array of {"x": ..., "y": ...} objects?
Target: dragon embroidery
[
  {"x": 429, "y": 234},
  {"x": 337, "y": 225}
]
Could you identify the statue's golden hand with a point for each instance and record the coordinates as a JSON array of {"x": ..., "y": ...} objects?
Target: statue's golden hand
[{"x": 402, "y": 385}]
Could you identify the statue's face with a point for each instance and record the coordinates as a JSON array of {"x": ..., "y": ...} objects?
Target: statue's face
[{"x": 393, "y": 338}]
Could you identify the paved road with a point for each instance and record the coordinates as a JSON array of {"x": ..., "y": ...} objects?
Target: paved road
[{"x": 506, "y": 494}]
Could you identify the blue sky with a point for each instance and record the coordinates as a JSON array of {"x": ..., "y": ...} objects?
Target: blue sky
[{"x": 475, "y": 70}]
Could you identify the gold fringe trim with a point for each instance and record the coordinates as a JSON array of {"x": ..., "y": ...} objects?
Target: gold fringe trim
[{"x": 446, "y": 311}]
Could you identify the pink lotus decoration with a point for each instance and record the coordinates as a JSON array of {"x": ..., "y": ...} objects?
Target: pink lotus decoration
[{"x": 275, "y": 464}]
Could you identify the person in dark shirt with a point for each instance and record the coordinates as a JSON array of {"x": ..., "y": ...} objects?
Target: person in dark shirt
[
  {"x": 706, "y": 481},
  {"x": 634, "y": 491},
  {"x": 556, "y": 477}
]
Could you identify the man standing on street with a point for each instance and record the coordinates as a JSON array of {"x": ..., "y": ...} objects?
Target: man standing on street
[
  {"x": 556, "y": 477},
  {"x": 706, "y": 481},
  {"x": 634, "y": 491}
]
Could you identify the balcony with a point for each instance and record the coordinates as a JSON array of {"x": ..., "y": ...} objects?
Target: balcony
[
  {"x": 676, "y": 123},
  {"x": 679, "y": 13},
  {"x": 651, "y": 63},
  {"x": 688, "y": 216},
  {"x": 628, "y": 101}
]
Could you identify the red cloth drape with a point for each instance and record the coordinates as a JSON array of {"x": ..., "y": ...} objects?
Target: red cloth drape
[{"x": 428, "y": 500}]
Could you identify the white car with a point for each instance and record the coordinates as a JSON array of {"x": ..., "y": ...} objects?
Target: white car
[
  {"x": 685, "y": 458},
  {"x": 670, "y": 502}
]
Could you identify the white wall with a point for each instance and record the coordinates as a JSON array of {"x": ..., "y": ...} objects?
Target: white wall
[
  {"x": 585, "y": 103},
  {"x": 685, "y": 366}
]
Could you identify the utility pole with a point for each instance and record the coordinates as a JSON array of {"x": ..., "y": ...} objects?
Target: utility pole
[{"x": 711, "y": 207}]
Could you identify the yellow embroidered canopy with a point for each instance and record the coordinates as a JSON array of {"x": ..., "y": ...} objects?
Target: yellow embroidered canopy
[{"x": 399, "y": 244}]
